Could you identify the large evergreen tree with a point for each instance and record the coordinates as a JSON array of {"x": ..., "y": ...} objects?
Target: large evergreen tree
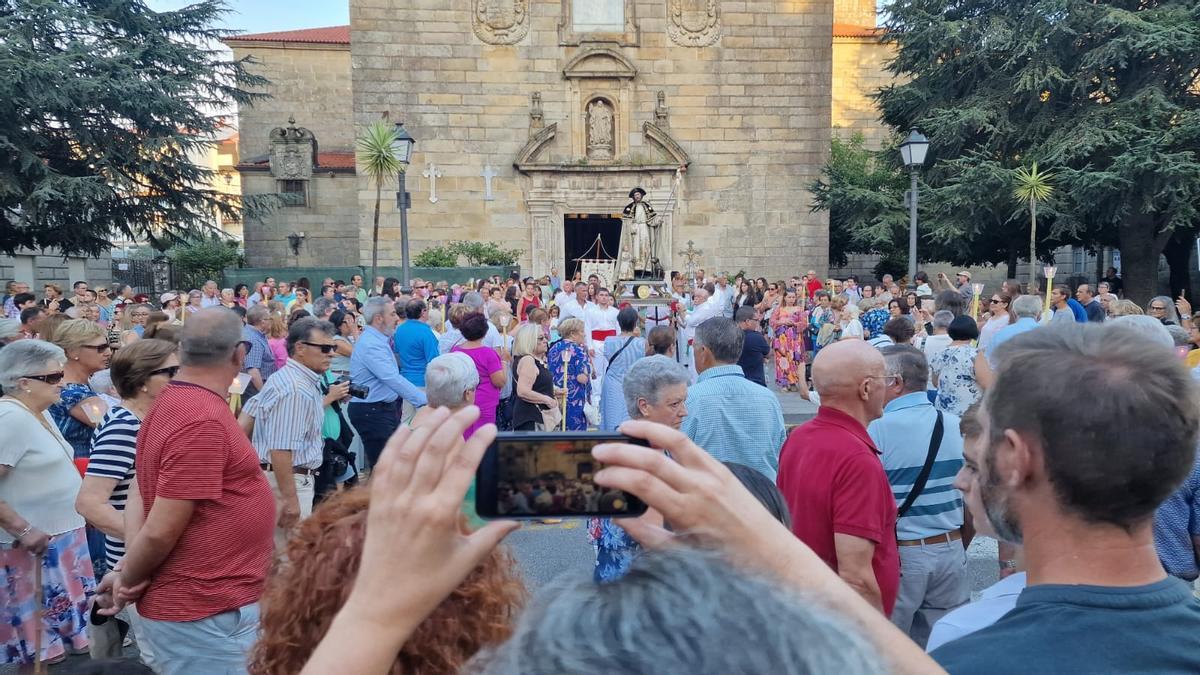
[
  {"x": 1101, "y": 92},
  {"x": 103, "y": 102}
]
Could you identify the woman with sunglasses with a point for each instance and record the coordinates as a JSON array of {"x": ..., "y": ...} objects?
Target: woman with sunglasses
[
  {"x": 80, "y": 408},
  {"x": 1000, "y": 314},
  {"x": 38, "y": 522},
  {"x": 139, "y": 372}
]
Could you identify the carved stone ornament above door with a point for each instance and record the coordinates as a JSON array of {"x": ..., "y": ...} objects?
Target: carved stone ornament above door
[
  {"x": 500, "y": 22},
  {"x": 694, "y": 23}
]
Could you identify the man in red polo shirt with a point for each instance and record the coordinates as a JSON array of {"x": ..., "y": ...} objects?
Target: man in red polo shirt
[
  {"x": 831, "y": 477},
  {"x": 197, "y": 566}
]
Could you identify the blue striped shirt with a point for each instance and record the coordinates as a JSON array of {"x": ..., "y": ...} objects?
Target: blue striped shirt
[
  {"x": 288, "y": 415},
  {"x": 902, "y": 436},
  {"x": 735, "y": 420},
  {"x": 114, "y": 451}
]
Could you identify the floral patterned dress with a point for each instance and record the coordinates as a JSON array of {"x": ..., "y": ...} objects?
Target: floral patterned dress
[
  {"x": 788, "y": 344},
  {"x": 873, "y": 321},
  {"x": 68, "y": 583},
  {"x": 957, "y": 388},
  {"x": 615, "y": 549},
  {"x": 577, "y": 394}
]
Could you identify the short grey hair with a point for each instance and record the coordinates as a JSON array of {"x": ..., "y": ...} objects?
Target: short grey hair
[
  {"x": 733, "y": 622},
  {"x": 374, "y": 308},
  {"x": 1147, "y": 326},
  {"x": 101, "y": 381},
  {"x": 1027, "y": 307},
  {"x": 942, "y": 319},
  {"x": 9, "y": 328},
  {"x": 323, "y": 306},
  {"x": 302, "y": 329},
  {"x": 1179, "y": 335},
  {"x": 27, "y": 357},
  {"x": 646, "y": 379},
  {"x": 474, "y": 300},
  {"x": 909, "y": 363},
  {"x": 723, "y": 337},
  {"x": 257, "y": 314},
  {"x": 209, "y": 337},
  {"x": 447, "y": 377}
]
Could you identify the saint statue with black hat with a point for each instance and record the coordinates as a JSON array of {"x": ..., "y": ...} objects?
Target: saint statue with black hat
[{"x": 641, "y": 219}]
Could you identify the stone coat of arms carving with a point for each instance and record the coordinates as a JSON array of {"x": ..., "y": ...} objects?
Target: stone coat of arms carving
[
  {"x": 293, "y": 152},
  {"x": 693, "y": 23},
  {"x": 500, "y": 22}
]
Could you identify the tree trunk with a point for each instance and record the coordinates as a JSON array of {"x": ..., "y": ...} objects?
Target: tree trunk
[
  {"x": 1178, "y": 253},
  {"x": 375, "y": 231},
  {"x": 1140, "y": 248},
  {"x": 1032, "y": 241},
  {"x": 1014, "y": 257}
]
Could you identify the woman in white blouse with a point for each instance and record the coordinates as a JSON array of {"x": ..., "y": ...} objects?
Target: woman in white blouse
[{"x": 38, "y": 522}]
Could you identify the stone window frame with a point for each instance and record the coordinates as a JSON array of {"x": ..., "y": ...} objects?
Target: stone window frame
[
  {"x": 289, "y": 196},
  {"x": 567, "y": 35}
]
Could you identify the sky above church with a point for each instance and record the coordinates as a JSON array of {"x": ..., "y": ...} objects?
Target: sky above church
[{"x": 261, "y": 16}]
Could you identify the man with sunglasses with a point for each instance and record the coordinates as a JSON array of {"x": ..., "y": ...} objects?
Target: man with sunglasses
[
  {"x": 288, "y": 416},
  {"x": 831, "y": 477}
]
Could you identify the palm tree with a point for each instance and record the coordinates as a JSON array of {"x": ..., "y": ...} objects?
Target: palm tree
[
  {"x": 1033, "y": 186},
  {"x": 378, "y": 161}
]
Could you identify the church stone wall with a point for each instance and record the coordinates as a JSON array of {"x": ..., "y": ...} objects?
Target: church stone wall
[
  {"x": 329, "y": 223},
  {"x": 308, "y": 82},
  {"x": 859, "y": 70},
  {"x": 752, "y": 111}
]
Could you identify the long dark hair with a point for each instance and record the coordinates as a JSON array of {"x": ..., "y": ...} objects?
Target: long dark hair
[{"x": 390, "y": 287}]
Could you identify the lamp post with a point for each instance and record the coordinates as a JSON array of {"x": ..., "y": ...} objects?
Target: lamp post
[
  {"x": 912, "y": 152},
  {"x": 402, "y": 147}
]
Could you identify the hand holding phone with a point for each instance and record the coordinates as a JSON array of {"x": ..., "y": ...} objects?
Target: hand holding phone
[{"x": 549, "y": 475}]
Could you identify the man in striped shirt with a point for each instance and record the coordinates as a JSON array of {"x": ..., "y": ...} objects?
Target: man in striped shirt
[
  {"x": 288, "y": 415},
  {"x": 929, "y": 533}
]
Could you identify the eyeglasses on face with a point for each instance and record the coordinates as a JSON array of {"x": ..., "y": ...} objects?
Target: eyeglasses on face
[
  {"x": 325, "y": 349},
  {"x": 888, "y": 380},
  {"x": 48, "y": 378},
  {"x": 100, "y": 349},
  {"x": 1157, "y": 308},
  {"x": 169, "y": 371},
  {"x": 996, "y": 301}
]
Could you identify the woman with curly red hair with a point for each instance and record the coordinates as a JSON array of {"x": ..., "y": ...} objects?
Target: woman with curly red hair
[{"x": 312, "y": 584}]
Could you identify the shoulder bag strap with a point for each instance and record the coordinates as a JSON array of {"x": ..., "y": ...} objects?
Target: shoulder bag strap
[
  {"x": 935, "y": 442},
  {"x": 614, "y": 356}
]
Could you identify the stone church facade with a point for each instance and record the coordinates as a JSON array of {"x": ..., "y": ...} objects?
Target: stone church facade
[{"x": 535, "y": 118}]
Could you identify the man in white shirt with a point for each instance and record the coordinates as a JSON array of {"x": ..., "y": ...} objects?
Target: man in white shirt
[
  {"x": 704, "y": 307},
  {"x": 600, "y": 322},
  {"x": 211, "y": 296},
  {"x": 565, "y": 294},
  {"x": 577, "y": 306},
  {"x": 723, "y": 296}
]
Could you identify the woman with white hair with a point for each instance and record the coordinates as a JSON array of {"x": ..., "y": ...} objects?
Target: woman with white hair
[
  {"x": 450, "y": 382},
  {"x": 655, "y": 389},
  {"x": 852, "y": 328},
  {"x": 38, "y": 523}
]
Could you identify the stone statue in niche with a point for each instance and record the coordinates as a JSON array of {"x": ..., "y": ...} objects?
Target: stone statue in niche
[
  {"x": 662, "y": 115},
  {"x": 600, "y": 130},
  {"x": 537, "y": 119},
  {"x": 500, "y": 22}
]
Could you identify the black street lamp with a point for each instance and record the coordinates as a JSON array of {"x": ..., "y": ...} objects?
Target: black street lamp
[
  {"x": 402, "y": 149},
  {"x": 912, "y": 152}
]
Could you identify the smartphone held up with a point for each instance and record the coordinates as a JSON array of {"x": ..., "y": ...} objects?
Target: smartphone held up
[{"x": 549, "y": 475}]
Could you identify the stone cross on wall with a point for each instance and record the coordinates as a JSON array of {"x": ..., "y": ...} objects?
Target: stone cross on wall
[
  {"x": 488, "y": 174},
  {"x": 432, "y": 173}
]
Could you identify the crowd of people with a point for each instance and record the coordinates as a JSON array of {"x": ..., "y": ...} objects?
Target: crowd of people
[{"x": 195, "y": 467}]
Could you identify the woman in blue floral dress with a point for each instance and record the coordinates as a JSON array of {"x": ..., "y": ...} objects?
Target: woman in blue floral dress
[
  {"x": 954, "y": 369},
  {"x": 659, "y": 385},
  {"x": 579, "y": 371}
]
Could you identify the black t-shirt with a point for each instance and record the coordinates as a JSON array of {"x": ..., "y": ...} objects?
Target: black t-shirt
[
  {"x": 754, "y": 350},
  {"x": 1086, "y": 629}
]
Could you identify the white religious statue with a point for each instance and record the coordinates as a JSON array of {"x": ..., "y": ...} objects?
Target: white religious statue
[
  {"x": 643, "y": 225},
  {"x": 600, "y": 130}
]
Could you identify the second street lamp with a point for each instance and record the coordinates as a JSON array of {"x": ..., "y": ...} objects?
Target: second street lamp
[
  {"x": 402, "y": 148},
  {"x": 912, "y": 152}
]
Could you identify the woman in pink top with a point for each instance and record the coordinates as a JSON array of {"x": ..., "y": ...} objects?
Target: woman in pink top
[{"x": 492, "y": 375}]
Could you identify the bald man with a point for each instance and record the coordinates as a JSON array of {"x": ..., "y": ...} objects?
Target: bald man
[{"x": 830, "y": 474}]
